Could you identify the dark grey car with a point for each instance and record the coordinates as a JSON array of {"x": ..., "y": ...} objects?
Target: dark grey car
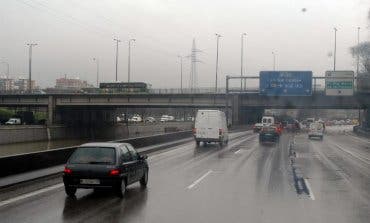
[{"x": 105, "y": 165}]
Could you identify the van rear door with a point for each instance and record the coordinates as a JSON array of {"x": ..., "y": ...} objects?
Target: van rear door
[{"x": 207, "y": 125}]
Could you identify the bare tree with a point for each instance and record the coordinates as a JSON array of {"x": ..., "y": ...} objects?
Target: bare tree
[{"x": 363, "y": 51}]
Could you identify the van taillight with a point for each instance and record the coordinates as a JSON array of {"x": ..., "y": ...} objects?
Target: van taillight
[
  {"x": 67, "y": 170},
  {"x": 220, "y": 131},
  {"x": 194, "y": 131}
]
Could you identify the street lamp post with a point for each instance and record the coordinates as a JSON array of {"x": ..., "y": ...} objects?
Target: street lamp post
[
  {"x": 30, "y": 45},
  {"x": 358, "y": 48},
  {"x": 335, "y": 47},
  {"x": 274, "y": 60},
  {"x": 218, "y": 39},
  {"x": 117, "y": 41},
  {"x": 241, "y": 59},
  {"x": 97, "y": 71},
  {"x": 180, "y": 72},
  {"x": 129, "y": 59}
]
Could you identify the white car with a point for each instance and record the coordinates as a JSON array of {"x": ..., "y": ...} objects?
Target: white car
[
  {"x": 150, "y": 120},
  {"x": 210, "y": 126},
  {"x": 136, "y": 119},
  {"x": 167, "y": 118},
  {"x": 13, "y": 121},
  {"x": 316, "y": 130}
]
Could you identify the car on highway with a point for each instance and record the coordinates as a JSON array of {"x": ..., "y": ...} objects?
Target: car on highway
[
  {"x": 269, "y": 134},
  {"x": 257, "y": 127},
  {"x": 167, "y": 118},
  {"x": 136, "y": 119},
  {"x": 210, "y": 126},
  {"x": 13, "y": 121},
  {"x": 149, "y": 120},
  {"x": 105, "y": 166},
  {"x": 316, "y": 130}
]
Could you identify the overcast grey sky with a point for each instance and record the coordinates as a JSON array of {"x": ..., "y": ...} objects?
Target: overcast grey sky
[{"x": 71, "y": 32}]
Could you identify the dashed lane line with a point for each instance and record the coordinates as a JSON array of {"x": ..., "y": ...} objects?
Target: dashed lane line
[{"x": 191, "y": 186}]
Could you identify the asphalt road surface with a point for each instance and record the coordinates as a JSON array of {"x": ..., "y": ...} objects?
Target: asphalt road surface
[{"x": 296, "y": 180}]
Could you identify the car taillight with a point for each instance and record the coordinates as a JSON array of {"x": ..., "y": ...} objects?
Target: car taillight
[
  {"x": 114, "y": 172},
  {"x": 67, "y": 170},
  {"x": 194, "y": 131},
  {"x": 220, "y": 131}
]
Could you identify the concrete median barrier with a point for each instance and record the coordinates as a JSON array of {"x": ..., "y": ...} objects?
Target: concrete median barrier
[{"x": 15, "y": 164}]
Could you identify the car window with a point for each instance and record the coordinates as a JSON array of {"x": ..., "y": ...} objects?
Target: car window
[
  {"x": 93, "y": 155},
  {"x": 133, "y": 152},
  {"x": 125, "y": 155}
]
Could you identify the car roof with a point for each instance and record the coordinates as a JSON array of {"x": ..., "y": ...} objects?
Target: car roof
[{"x": 103, "y": 144}]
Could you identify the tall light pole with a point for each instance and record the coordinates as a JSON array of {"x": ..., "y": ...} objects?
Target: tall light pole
[
  {"x": 117, "y": 41},
  {"x": 180, "y": 72},
  {"x": 358, "y": 48},
  {"x": 218, "y": 39},
  {"x": 97, "y": 71},
  {"x": 274, "y": 60},
  {"x": 7, "y": 68},
  {"x": 129, "y": 59},
  {"x": 30, "y": 45},
  {"x": 335, "y": 47},
  {"x": 241, "y": 58}
]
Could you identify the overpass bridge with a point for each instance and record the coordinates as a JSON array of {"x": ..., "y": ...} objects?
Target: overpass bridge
[{"x": 60, "y": 106}]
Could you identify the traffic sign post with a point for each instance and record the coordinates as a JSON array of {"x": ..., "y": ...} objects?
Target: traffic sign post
[
  {"x": 286, "y": 83},
  {"x": 339, "y": 83}
]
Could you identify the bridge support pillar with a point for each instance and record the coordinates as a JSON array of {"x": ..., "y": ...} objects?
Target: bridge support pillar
[
  {"x": 235, "y": 109},
  {"x": 51, "y": 110},
  {"x": 365, "y": 122}
]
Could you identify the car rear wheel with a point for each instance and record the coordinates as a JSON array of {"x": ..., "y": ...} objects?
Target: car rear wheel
[
  {"x": 121, "y": 189},
  {"x": 70, "y": 191},
  {"x": 144, "y": 179}
]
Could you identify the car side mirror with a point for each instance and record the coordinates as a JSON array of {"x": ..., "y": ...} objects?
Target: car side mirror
[{"x": 143, "y": 157}]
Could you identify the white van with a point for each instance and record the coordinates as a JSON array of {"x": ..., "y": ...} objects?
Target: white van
[
  {"x": 210, "y": 126},
  {"x": 268, "y": 120},
  {"x": 316, "y": 130}
]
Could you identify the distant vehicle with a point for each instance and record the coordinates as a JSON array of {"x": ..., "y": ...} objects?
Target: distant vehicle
[
  {"x": 268, "y": 120},
  {"x": 149, "y": 120},
  {"x": 348, "y": 121},
  {"x": 105, "y": 166},
  {"x": 268, "y": 134},
  {"x": 210, "y": 126},
  {"x": 316, "y": 130},
  {"x": 167, "y": 118},
  {"x": 13, "y": 121},
  {"x": 190, "y": 118},
  {"x": 257, "y": 127},
  {"x": 136, "y": 119}
]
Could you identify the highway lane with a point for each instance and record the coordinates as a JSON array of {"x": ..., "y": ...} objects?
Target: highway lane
[{"x": 296, "y": 180}]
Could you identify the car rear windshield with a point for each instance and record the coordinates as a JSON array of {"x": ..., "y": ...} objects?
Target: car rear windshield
[{"x": 93, "y": 155}]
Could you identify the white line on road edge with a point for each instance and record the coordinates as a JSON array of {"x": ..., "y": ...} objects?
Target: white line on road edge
[
  {"x": 24, "y": 196},
  {"x": 310, "y": 191},
  {"x": 199, "y": 180}
]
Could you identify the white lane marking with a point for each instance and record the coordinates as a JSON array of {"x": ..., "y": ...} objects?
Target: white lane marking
[
  {"x": 34, "y": 193},
  {"x": 357, "y": 138},
  {"x": 356, "y": 155},
  {"x": 238, "y": 151},
  {"x": 310, "y": 191},
  {"x": 199, "y": 180}
]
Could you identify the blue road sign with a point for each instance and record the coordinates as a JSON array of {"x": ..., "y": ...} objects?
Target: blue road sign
[{"x": 286, "y": 83}]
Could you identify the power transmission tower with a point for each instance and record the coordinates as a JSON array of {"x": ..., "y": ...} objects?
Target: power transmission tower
[{"x": 193, "y": 80}]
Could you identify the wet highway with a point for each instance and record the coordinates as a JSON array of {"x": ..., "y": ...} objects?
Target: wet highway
[{"x": 296, "y": 180}]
